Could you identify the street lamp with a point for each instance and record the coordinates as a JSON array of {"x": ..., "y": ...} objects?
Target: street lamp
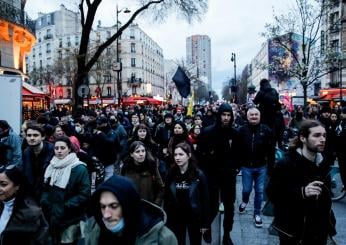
[
  {"x": 233, "y": 59},
  {"x": 119, "y": 66}
]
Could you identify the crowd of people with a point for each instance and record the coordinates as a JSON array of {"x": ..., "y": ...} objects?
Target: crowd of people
[{"x": 153, "y": 175}]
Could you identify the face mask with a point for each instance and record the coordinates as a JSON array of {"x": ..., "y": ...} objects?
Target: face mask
[
  {"x": 116, "y": 228},
  {"x": 78, "y": 129},
  {"x": 112, "y": 121}
]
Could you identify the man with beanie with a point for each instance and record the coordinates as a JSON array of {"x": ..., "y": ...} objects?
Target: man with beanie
[
  {"x": 120, "y": 217},
  {"x": 215, "y": 153}
]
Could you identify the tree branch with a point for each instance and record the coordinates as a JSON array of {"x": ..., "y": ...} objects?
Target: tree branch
[
  {"x": 82, "y": 12},
  {"x": 103, "y": 46}
]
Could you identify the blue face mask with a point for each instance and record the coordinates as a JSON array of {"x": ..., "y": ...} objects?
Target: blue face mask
[{"x": 117, "y": 228}]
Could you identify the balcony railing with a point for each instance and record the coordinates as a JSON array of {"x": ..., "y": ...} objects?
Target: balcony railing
[
  {"x": 134, "y": 81},
  {"x": 17, "y": 16}
]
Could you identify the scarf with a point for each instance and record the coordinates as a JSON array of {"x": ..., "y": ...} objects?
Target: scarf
[{"x": 59, "y": 170}]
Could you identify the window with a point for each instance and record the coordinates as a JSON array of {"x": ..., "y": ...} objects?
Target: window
[
  {"x": 132, "y": 33},
  {"x": 48, "y": 48},
  {"x": 48, "y": 19},
  {"x": 133, "y": 62},
  {"x": 68, "y": 42},
  {"x": 108, "y": 34},
  {"x": 133, "y": 48},
  {"x": 109, "y": 91},
  {"x": 60, "y": 43},
  {"x": 335, "y": 45}
]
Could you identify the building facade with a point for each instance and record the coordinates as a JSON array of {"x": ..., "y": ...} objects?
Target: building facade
[
  {"x": 333, "y": 43},
  {"x": 198, "y": 52},
  {"x": 52, "y": 63},
  {"x": 273, "y": 62},
  {"x": 142, "y": 65},
  {"x": 17, "y": 37}
]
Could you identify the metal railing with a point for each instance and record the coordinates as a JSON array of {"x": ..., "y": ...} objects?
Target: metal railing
[{"x": 17, "y": 16}]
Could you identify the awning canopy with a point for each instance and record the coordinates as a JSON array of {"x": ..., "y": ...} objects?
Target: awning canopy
[
  {"x": 332, "y": 94},
  {"x": 141, "y": 100},
  {"x": 31, "y": 91}
]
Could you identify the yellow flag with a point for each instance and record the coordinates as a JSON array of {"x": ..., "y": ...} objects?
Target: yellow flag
[{"x": 190, "y": 106}]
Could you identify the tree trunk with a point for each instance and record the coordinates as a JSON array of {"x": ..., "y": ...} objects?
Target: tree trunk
[{"x": 305, "y": 95}]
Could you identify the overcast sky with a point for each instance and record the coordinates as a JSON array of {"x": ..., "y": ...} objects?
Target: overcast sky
[{"x": 232, "y": 25}]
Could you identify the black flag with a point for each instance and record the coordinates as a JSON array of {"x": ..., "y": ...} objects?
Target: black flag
[{"x": 182, "y": 82}]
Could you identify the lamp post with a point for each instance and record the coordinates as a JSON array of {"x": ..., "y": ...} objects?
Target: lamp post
[
  {"x": 118, "y": 67},
  {"x": 233, "y": 59}
]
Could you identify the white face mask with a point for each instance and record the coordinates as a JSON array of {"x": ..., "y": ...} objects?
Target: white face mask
[
  {"x": 116, "y": 228},
  {"x": 78, "y": 129}
]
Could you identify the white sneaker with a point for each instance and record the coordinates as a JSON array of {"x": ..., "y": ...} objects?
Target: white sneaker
[
  {"x": 258, "y": 221},
  {"x": 221, "y": 207}
]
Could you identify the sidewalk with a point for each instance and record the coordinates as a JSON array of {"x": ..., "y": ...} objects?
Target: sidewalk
[{"x": 245, "y": 233}]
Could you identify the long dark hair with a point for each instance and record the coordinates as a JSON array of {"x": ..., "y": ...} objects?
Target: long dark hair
[
  {"x": 148, "y": 138},
  {"x": 304, "y": 131},
  {"x": 18, "y": 178},
  {"x": 192, "y": 164},
  {"x": 149, "y": 163}
]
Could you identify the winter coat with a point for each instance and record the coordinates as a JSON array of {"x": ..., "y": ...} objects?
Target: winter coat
[
  {"x": 65, "y": 207},
  {"x": 11, "y": 148},
  {"x": 27, "y": 224},
  {"x": 35, "y": 166},
  {"x": 309, "y": 220},
  {"x": 255, "y": 143},
  {"x": 199, "y": 199},
  {"x": 215, "y": 145},
  {"x": 144, "y": 221},
  {"x": 147, "y": 179}
]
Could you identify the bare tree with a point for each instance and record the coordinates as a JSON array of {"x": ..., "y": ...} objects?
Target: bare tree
[
  {"x": 88, "y": 8},
  {"x": 303, "y": 20}
]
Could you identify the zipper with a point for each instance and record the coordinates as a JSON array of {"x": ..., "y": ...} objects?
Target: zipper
[
  {"x": 283, "y": 232},
  {"x": 252, "y": 143}
]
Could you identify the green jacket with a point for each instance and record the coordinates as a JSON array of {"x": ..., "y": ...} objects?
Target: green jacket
[
  {"x": 64, "y": 207},
  {"x": 157, "y": 234}
]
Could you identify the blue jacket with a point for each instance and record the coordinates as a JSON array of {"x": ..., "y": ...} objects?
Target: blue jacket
[{"x": 12, "y": 147}]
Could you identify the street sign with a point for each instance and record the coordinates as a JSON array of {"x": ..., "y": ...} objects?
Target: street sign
[
  {"x": 117, "y": 66},
  {"x": 83, "y": 91}
]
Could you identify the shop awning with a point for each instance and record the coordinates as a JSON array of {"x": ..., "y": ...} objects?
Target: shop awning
[
  {"x": 141, "y": 100},
  {"x": 29, "y": 90},
  {"x": 332, "y": 94}
]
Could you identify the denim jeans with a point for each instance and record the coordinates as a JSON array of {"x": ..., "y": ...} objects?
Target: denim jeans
[{"x": 258, "y": 177}]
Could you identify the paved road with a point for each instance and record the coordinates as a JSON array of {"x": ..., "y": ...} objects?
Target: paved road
[{"x": 245, "y": 232}]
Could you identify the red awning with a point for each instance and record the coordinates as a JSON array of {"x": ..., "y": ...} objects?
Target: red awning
[{"x": 141, "y": 100}]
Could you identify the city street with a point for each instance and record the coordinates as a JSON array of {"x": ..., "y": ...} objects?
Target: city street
[{"x": 245, "y": 232}]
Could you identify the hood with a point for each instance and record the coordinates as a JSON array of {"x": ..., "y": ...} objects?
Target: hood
[
  {"x": 224, "y": 107},
  {"x": 152, "y": 215},
  {"x": 128, "y": 197}
]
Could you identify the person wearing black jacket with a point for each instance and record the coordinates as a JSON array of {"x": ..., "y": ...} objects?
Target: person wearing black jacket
[
  {"x": 36, "y": 157},
  {"x": 255, "y": 142},
  {"x": 299, "y": 189},
  {"x": 186, "y": 197},
  {"x": 216, "y": 158},
  {"x": 105, "y": 146}
]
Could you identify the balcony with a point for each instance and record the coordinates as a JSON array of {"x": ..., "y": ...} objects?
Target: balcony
[
  {"x": 134, "y": 81},
  {"x": 17, "y": 16}
]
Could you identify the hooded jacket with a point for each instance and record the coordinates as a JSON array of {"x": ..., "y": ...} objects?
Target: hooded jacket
[
  {"x": 214, "y": 149},
  {"x": 144, "y": 221},
  {"x": 308, "y": 220}
]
